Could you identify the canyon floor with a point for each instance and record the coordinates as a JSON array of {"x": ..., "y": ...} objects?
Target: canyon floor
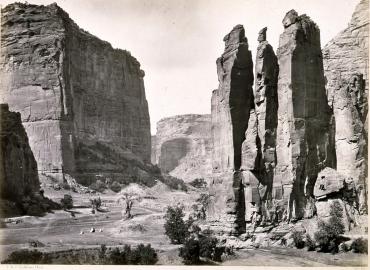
[{"x": 59, "y": 231}]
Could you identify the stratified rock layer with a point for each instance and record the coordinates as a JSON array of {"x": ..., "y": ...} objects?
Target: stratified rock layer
[
  {"x": 82, "y": 102},
  {"x": 18, "y": 168},
  {"x": 231, "y": 105},
  {"x": 304, "y": 137},
  {"x": 346, "y": 66},
  {"x": 182, "y": 146}
]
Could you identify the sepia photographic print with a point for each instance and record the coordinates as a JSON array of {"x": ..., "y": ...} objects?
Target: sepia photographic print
[{"x": 184, "y": 133}]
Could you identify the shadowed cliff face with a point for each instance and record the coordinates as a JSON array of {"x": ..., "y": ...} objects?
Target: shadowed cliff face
[
  {"x": 172, "y": 152},
  {"x": 182, "y": 146},
  {"x": 76, "y": 94},
  {"x": 18, "y": 168}
]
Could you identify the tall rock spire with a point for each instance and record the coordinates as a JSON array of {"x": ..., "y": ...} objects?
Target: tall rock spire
[
  {"x": 231, "y": 105},
  {"x": 258, "y": 158},
  {"x": 304, "y": 137}
]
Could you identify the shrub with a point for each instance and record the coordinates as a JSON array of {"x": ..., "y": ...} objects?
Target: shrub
[
  {"x": 66, "y": 186},
  {"x": 26, "y": 256},
  {"x": 115, "y": 186},
  {"x": 208, "y": 245},
  {"x": 198, "y": 183},
  {"x": 175, "y": 226},
  {"x": 98, "y": 186},
  {"x": 142, "y": 254},
  {"x": 200, "y": 208},
  {"x": 343, "y": 247},
  {"x": 67, "y": 202},
  {"x": 298, "y": 239},
  {"x": 173, "y": 182},
  {"x": 310, "y": 243},
  {"x": 95, "y": 203},
  {"x": 359, "y": 245},
  {"x": 190, "y": 252},
  {"x": 327, "y": 236}
]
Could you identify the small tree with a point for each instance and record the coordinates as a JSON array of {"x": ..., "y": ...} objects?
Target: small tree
[
  {"x": 310, "y": 243},
  {"x": 359, "y": 245},
  {"x": 190, "y": 252},
  {"x": 67, "y": 202},
  {"x": 175, "y": 226},
  {"x": 129, "y": 195},
  {"x": 298, "y": 239},
  {"x": 327, "y": 236},
  {"x": 95, "y": 203}
]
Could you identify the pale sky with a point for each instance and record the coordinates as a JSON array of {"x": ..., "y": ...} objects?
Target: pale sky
[{"x": 177, "y": 42}]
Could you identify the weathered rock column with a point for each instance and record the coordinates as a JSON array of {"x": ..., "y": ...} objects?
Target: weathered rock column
[
  {"x": 258, "y": 150},
  {"x": 304, "y": 141},
  {"x": 231, "y": 105}
]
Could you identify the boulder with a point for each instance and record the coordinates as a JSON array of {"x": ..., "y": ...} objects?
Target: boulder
[{"x": 328, "y": 182}]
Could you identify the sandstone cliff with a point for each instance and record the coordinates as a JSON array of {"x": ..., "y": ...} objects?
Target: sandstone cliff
[
  {"x": 346, "y": 66},
  {"x": 82, "y": 102},
  {"x": 182, "y": 146}
]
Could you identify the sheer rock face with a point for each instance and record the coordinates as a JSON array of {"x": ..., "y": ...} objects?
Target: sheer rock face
[
  {"x": 258, "y": 149},
  {"x": 305, "y": 142},
  {"x": 82, "y": 102},
  {"x": 346, "y": 70},
  {"x": 231, "y": 105},
  {"x": 182, "y": 146},
  {"x": 18, "y": 168}
]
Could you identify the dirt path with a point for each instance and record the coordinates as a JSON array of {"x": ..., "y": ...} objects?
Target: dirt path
[{"x": 261, "y": 257}]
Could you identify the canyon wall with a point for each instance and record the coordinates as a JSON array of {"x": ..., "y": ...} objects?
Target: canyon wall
[
  {"x": 82, "y": 102},
  {"x": 182, "y": 146},
  {"x": 346, "y": 66}
]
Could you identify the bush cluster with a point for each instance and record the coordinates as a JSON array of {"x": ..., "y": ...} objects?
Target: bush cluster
[
  {"x": 173, "y": 182},
  {"x": 198, "y": 183},
  {"x": 26, "y": 256},
  {"x": 196, "y": 244},
  {"x": 142, "y": 254}
]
